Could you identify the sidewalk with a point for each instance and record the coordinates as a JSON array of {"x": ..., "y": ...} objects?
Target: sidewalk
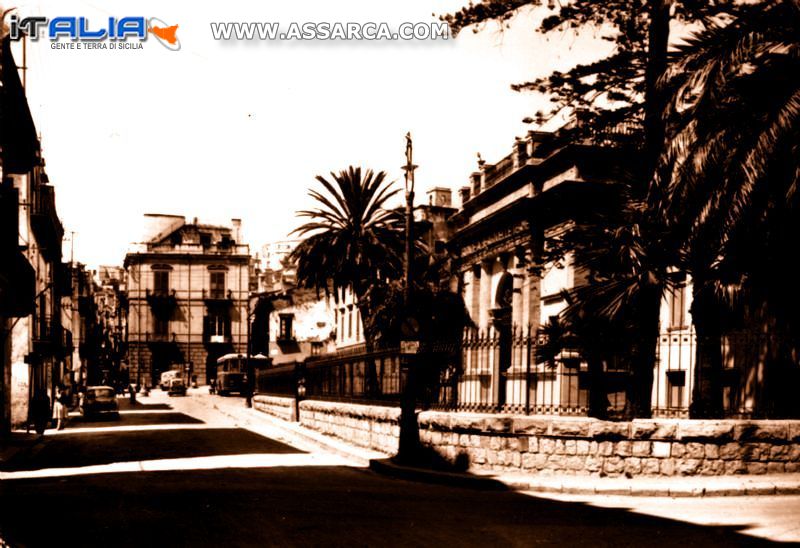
[
  {"x": 15, "y": 442},
  {"x": 692, "y": 486}
]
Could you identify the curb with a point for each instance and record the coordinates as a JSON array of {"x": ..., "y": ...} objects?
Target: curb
[{"x": 726, "y": 487}]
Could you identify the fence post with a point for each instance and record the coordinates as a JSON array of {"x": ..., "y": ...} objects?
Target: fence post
[{"x": 528, "y": 374}]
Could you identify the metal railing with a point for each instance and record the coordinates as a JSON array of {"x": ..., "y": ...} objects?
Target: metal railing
[{"x": 517, "y": 372}]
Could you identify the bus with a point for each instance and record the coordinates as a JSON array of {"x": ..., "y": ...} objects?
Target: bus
[{"x": 232, "y": 373}]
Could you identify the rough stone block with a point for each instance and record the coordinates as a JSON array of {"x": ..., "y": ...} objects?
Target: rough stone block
[
  {"x": 688, "y": 467},
  {"x": 607, "y": 430},
  {"x": 613, "y": 466},
  {"x": 559, "y": 447},
  {"x": 735, "y": 467},
  {"x": 463, "y": 440},
  {"x": 761, "y": 431},
  {"x": 712, "y": 467},
  {"x": 574, "y": 463},
  {"x": 491, "y": 457},
  {"x": 794, "y": 432},
  {"x": 582, "y": 447},
  {"x": 606, "y": 448},
  {"x": 478, "y": 456},
  {"x": 775, "y": 468},
  {"x": 547, "y": 446},
  {"x": 641, "y": 448},
  {"x": 533, "y": 444},
  {"x": 540, "y": 461},
  {"x": 572, "y": 427},
  {"x": 667, "y": 467},
  {"x": 633, "y": 466},
  {"x": 792, "y": 467},
  {"x": 678, "y": 450},
  {"x": 793, "y": 453},
  {"x": 593, "y": 447},
  {"x": 555, "y": 462},
  {"x": 643, "y": 430},
  {"x": 536, "y": 427},
  {"x": 622, "y": 448},
  {"x": 650, "y": 466},
  {"x": 528, "y": 462},
  {"x": 499, "y": 424},
  {"x": 702, "y": 430},
  {"x": 496, "y": 443},
  {"x": 661, "y": 449},
  {"x": 695, "y": 450},
  {"x": 570, "y": 447},
  {"x": 779, "y": 453},
  {"x": 593, "y": 464},
  {"x": 712, "y": 451},
  {"x": 756, "y": 468},
  {"x": 730, "y": 451}
]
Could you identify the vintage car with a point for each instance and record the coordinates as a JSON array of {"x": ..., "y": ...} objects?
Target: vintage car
[
  {"x": 176, "y": 387},
  {"x": 99, "y": 400},
  {"x": 167, "y": 377}
]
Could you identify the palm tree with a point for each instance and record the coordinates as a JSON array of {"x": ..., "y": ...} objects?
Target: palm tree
[
  {"x": 729, "y": 179},
  {"x": 627, "y": 252},
  {"x": 352, "y": 240}
]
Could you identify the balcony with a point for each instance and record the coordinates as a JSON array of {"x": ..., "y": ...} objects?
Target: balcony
[
  {"x": 218, "y": 301},
  {"x": 48, "y": 336},
  {"x": 45, "y": 223},
  {"x": 162, "y": 301}
]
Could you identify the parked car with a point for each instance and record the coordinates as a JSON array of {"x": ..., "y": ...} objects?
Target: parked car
[
  {"x": 167, "y": 376},
  {"x": 176, "y": 387},
  {"x": 99, "y": 400}
]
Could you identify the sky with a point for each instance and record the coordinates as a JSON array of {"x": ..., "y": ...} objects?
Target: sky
[{"x": 221, "y": 130}]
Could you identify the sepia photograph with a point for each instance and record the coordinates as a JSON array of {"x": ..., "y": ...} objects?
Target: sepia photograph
[{"x": 421, "y": 273}]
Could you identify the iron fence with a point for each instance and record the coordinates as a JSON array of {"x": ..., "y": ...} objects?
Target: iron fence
[{"x": 517, "y": 371}]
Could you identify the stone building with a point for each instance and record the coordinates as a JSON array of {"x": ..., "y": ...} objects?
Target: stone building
[
  {"x": 34, "y": 332},
  {"x": 187, "y": 292},
  {"x": 509, "y": 209}
]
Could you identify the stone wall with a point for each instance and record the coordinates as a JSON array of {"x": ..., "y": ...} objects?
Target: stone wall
[
  {"x": 577, "y": 445},
  {"x": 569, "y": 445},
  {"x": 283, "y": 408},
  {"x": 373, "y": 427}
]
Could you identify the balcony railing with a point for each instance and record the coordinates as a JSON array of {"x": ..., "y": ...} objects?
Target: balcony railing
[
  {"x": 162, "y": 302},
  {"x": 160, "y": 337},
  {"x": 44, "y": 221}
]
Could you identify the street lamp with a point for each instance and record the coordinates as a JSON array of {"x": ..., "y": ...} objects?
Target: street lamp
[
  {"x": 409, "y": 430},
  {"x": 409, "y": 186}
]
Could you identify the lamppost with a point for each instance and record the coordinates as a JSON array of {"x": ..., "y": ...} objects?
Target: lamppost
[
  {"x": 409, "y": 185},
  {"x": 409, "y": 433}
]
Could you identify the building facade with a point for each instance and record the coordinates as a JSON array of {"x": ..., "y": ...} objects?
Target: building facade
[
  {"x": 187, "y": 297},
  {"x": 509, "y": 210}
]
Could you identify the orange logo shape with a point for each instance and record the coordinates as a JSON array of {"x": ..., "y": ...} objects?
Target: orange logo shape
[{"x": 166, "y": 33}]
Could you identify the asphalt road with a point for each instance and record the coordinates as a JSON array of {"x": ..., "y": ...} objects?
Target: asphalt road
[{"x": 193, "y": 477}]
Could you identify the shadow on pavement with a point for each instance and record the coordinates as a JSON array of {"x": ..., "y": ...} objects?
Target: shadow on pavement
[
  {"x": 131, "y": 420},
  {"x": 84, "y": 449},
  {"x": 300, "y": 506},
  {"x": 126, "y": 405}
]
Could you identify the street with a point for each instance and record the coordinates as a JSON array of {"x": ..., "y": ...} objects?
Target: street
[{"x": 178, "y": 471}]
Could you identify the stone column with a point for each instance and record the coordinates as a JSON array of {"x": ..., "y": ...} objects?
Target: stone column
[{"x": 485, "y": 294}]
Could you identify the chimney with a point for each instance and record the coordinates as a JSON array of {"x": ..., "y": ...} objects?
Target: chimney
[
  {"x": 440, "y": 196},
  {"x": 237, "y": 230}
]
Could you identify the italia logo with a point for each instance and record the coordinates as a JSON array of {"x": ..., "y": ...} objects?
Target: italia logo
[{"x": 79, "y": 29}]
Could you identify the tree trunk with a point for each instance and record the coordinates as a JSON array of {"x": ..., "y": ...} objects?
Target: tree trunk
[
  {"x": 707, "y": 391},
  {"x": 598, "y": 393},
  {"x": 657, "y": 42},
  {"x": 643, "y": 359}
]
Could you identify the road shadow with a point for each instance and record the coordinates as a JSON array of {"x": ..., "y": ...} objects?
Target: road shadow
[
  {"x": 76, "y": 449},
  {"x": 319, "y": 506},
  {"x": 139, "y": 419},
  {"x": 126, "y": 405}
]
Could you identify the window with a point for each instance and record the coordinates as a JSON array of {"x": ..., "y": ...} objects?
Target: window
[
  {"x": 676, "y": 380},
  {"x": 316, "y": 348},
  {"x": 160, "y": 326},
  {"x": 358, "y": 324},
  {"x": 217, "y": 285},
  {"x": 677, "y": 318},
  {"x": 285, "y": 332},
  {"x": 205, "y": 239},
  {"x": 349, "y": 322},
  {"x": 161, "y": 282}
]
